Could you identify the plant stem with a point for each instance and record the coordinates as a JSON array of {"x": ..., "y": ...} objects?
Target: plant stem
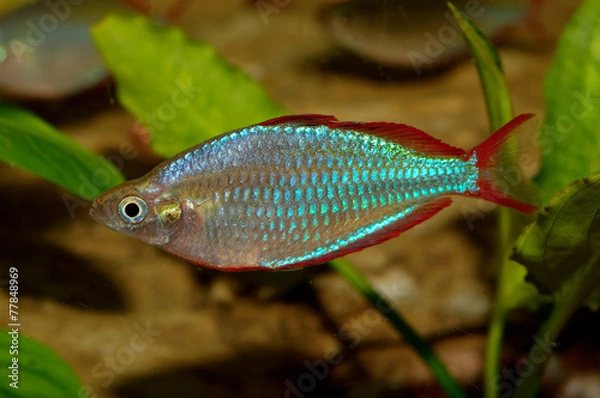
[
  {"x": 493, "y": 351},
  {"x": 500, "y": 111},
  {"x": 439, "y": 370},
  {"x": 498, "y": 321},
  {"x": 512, "y": 292}
]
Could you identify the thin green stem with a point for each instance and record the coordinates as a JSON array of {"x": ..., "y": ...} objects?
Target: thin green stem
[
  {"x": 498, "y": 321},
  {"x": 549, "y": 331},
  {"x": 493, "y": 351},
  {"x": 511, "y": 292},
  {"x": 439, "y": 370},
  {"x": 500, "y": 111}
]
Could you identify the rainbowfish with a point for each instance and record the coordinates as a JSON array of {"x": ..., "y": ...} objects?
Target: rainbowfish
[
  {"x": 300, "y": 190},
  {"x": 417, "y": 34},
  {"x": 47, "y": 52}
]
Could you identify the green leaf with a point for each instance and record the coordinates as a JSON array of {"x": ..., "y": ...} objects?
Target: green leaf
[
  {"x": 560, "y": 248},
  {"x": 487, "y": 60},
  {"x": 181, "y": 90},
  {"x": 31, "y": 144},
  {"x": 41, "y": 372},
  {"x": 570, "y": 139},
  {"x": 561, "y": 252}
]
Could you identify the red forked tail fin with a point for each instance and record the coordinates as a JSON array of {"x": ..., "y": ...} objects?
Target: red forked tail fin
[{"x": 501, "y": 179}]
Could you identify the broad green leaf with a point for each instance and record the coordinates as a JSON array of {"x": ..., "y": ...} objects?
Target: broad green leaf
[
  {"x": 561, "y": 248},
  {"x": 29, "y": 143},
  {"x": 561, "y": 252},
  {"x": 41, "y": 372},
  {"x": 181, "y": 90},
  {"x": 570, "y": 138}
]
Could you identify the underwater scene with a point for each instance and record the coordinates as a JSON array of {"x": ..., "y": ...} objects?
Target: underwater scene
[{"x": 300, "y": 198}]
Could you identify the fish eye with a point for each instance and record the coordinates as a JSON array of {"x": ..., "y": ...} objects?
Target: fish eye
[{"x": 133, "y": 209}]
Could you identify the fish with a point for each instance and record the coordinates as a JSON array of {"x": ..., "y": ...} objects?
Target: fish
[
  {"x": 47, "y": 52},
  {"x": 416, "y": 34},
  {"x": 300, "y": 190}
]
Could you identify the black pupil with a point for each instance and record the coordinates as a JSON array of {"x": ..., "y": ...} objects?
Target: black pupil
[{"x": 132, "y": 209}]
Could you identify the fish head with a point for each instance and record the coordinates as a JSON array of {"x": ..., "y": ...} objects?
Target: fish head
[{"x": 140, "y": 209}]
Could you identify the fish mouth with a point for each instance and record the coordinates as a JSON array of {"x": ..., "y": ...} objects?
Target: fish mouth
[{"x": 96, "y": 212}]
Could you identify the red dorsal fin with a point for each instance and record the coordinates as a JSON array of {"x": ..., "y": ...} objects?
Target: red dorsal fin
[
  {"x": 403, "y": 134},
  {"x": 311, "y": 119},
  {"x": 407, "y": 136}
]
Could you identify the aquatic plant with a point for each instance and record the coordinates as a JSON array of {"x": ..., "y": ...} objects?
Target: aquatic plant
[
  {"x": 34, "y": 370},
  {"x": 560, "y": 263},
  {"x": 28, "y": 142},
  {"x": 191, "y": 101}
]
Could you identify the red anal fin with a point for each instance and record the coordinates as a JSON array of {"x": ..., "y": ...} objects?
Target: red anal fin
[
  {"x": 405, "y": 135},
  {"x": 418, "y": 215},
  {"x": 311, "y": 119}
]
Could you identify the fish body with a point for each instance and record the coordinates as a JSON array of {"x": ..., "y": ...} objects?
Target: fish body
[{"x": 296, "y": 191}]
